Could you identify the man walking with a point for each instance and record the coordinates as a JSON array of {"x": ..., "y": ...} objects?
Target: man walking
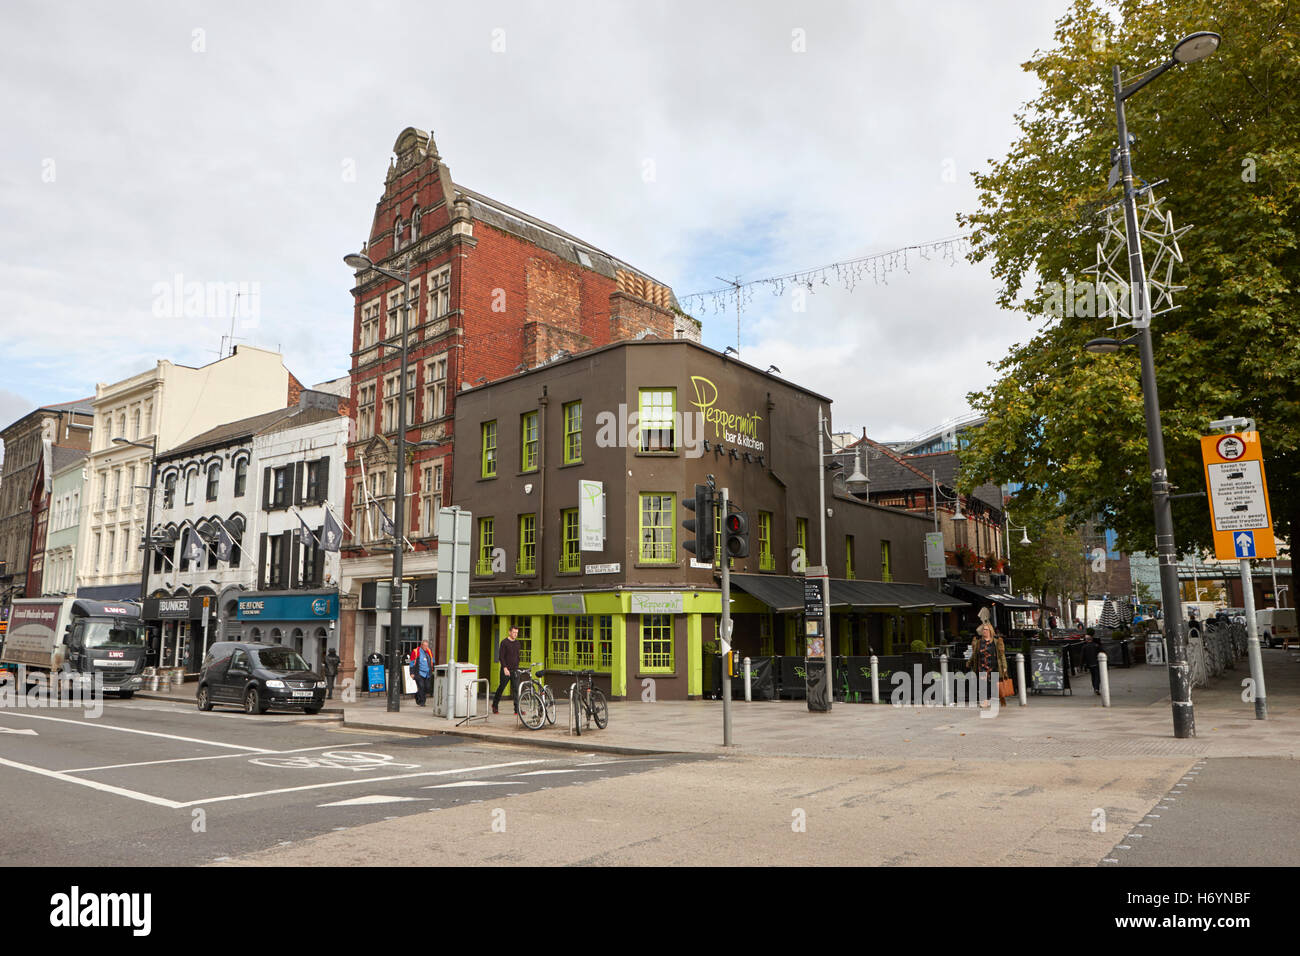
[
  {"x": 508, "y": 655},
  {"x": 332, "y": 662},
  {"x": 1091, "y": 650},
  {"x": 421, "y": 671}
]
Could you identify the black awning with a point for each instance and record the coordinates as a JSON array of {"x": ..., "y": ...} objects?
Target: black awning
[
  {"x": 785, "y": 594},
  {"x": 111, "y": 592},
  {"x": 989, "y": 596}
]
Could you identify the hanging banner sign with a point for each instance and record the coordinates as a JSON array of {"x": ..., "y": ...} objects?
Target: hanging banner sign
[
  {"x": 935, "y": 562},
  {"x": 591, "y": 514},
  {"x": 1239, "y": 512}
]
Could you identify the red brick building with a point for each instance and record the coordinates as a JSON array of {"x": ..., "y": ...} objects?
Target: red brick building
[{"x": 493, "y": 292}]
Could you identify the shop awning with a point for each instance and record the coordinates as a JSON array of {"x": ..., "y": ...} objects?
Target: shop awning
[
  {"x": 989, "y": 596},
  {"x": 785, "y": 594}
]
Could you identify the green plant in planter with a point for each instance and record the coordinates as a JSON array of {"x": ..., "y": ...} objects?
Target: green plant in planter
[{"x": 918, "y": 647}]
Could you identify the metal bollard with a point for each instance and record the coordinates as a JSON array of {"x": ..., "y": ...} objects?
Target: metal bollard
[
  {"x": 943, "y": 676},
  {"x": 748, "y": 696},
  {"x": 1105, "y": 679},
  {"x": 875, "y": 677},
  {"x": 1020, "y": 680}
]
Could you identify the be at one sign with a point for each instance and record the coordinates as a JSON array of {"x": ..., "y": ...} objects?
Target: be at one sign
[{"x": 1234, "y": 477}]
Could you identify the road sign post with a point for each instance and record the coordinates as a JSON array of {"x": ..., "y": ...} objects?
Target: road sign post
[
  {"x": 453, "y": 581},
  {"x": 1241, "y": 521}
]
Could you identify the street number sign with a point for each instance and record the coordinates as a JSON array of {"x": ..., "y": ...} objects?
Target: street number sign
[{"x": 1239, "y": 511}]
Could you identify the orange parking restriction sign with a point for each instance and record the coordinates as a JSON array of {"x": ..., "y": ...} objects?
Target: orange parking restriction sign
[{"x": 1239, "y": 511}]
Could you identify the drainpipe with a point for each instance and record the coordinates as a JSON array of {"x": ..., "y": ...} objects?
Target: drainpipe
[{"x": 542, "y": 402}]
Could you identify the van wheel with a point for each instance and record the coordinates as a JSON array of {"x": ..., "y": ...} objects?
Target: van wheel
[
  {"x": 252, "y": 703},
  {"x": 125, "y": 694},
  {"x": 205, "y": 702}
]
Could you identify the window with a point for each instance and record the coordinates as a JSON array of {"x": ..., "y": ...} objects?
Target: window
[
  {"x": 366, "y": 410},
  {"x": 655, "y": 414},
  {"x": 886, "y": 571},
  {"x": 528, "y": 441},
  {"x": 435, "y": 387},
  {"x": 848, "y": 557},
  {"x": 97, "y": 550},
  {"x": 415, "y": 223},
  {"x": 431, "y": 486},
  {"x": 117, "y": 488},
  {"x": 317, "y": 481},
  {"x": 572, "y": 433},
  {"x": 527, "y": 562},
  {"x": 214, "y": 480},
  {"x": 439, "y": 293},
  {"x": 135, "y": 423},
  {"x": 605, "y": 642},
  {"x": 560, "y": 642},
  {"x": 369, "y": 325},
  {"x": 274, "y": 561},
  {"x": 378, "y": 491},
  {"x": 486, "y": 540},
  {"x": 169, "y": 491},
  {"x": 282, "y": 487},
  {"x": 389, "y": 423},
  {"x": 766, "y": 561},
  {"x": 190, "y": 481},
  {"x": 103, "y": 489},
  {"x": 241, "y": 477},
  {"x": 111, "y": 552},
  {"x": 801, "y": 534},
  {"x": 525, "y": 638},
  {"x": 148, "y": 417},
  {"x": 489, "y": 432},
  {"x": 584, "y": 642},
  {"x": 656, "y": 642},
  {"x": 571, "y": 556},
  {"x": 657, "y": 531},
  {"x": 358, "y": 511},
  {"x": 128, "y": 493},
  {"x": 765, "y": 635}
]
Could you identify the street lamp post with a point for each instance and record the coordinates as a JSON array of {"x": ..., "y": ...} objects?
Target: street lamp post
[
  {"x": 361, "y": 261},
  {"x": 1190, "y": 49}
]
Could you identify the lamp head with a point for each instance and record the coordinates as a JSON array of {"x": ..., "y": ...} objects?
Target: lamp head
[
  {"x": 1102, "y": 346},
  {"x": 358, "y": 260},
  {"x": 1196, "y": 46}
]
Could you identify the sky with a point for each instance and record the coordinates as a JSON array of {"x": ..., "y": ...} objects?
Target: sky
[{"x": 242, "y": 147}]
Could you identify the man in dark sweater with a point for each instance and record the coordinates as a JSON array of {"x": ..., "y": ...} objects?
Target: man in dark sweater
[
  {"x": 508, "y": 655},
  {"x": 1090, "y": 652}
]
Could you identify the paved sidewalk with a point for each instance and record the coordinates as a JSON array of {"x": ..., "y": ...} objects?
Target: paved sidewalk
[{"x": 1138, "y": 724}]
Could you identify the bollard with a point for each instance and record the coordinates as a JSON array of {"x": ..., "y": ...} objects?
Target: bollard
[
  {"x": 1020, "y": 680},
  {"x": 1105, "y": 679},
  {"x": 748, "y": 696},
  {"x": 875, "y": 677},
  {"x": 943, "y": 676}
]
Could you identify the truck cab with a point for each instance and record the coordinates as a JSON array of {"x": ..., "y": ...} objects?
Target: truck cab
[{"x": 109, "y": 640}]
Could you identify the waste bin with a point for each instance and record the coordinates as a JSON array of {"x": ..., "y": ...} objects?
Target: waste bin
[
  {"x": 440, "y": 690},
  {"x": 463, "y": 676}
]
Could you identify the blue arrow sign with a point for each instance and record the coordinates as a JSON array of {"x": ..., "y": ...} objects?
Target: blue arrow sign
[{"x": 1245, "y": 544}]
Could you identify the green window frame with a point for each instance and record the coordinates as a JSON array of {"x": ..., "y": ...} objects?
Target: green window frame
[
  {"x": 571, "y": 556},
  {"x": 848, "y": 557},
  {"x": 528, "y": 441},
  {"x": 486, "y": 541},
  {"x": 765, "y": 635},
  {"x": 525, "y": 638},
  {"x": 584, "y": 642},
  {"x": 604, "y": 642},
  {"x": 656, "y": 413},
  {"x": 559, "y": 642},
  {"x": 527, "y": 560},
  {"x": 489, "y": 446},
  {"x": 572, "y": 433},
  {"x": 657, "y": 540},
  {"x": 657, "y": 643},
  {"x": 886, "y": 569},
  {"x": 766, "y": 561},
  {"x": 801, "y": 534}
]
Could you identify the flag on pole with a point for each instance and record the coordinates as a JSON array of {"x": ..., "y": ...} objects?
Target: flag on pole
[
  {"x": 225, "y": 542},
  {"x": 386, "y": 525},
  {"x": 192, "y": 548},
  {"x": 305, "y": 534},
  {"x": 331, "y": 533}
]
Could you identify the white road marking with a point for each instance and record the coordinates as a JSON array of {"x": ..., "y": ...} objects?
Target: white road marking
[
  {"x": 372, "y": 798},
  {"x": 151, "y": 763},
  {"x": 6, "y": 730},
  {"x": 94, "y": 785},
  {"x": 132, "y": 730},
  {"x": 468, "y": 783},
  {"x": 534, "y": 773}
]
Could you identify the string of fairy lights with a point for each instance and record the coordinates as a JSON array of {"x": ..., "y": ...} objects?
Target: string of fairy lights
[{"x": 848, "y": 274}]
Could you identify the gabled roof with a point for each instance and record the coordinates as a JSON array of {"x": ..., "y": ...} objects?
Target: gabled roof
[{"x": 890, "y": 471}]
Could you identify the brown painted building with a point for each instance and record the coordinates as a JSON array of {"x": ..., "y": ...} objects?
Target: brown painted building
[{"x": 575, "y": 472}]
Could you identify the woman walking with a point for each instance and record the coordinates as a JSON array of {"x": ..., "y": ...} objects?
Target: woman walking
[{"x": 988, "y": 657}]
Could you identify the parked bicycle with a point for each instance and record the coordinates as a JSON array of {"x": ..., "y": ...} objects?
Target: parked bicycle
[
  {"x": 589, "y": 702},
  {"x": 536, "y": 701}
]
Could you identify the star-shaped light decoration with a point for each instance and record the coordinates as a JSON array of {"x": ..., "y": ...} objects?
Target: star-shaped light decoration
[{"x": 1114, "y": 295}]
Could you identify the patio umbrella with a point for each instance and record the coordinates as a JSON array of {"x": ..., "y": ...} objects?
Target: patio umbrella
[{"x": 1109, "y": 616}]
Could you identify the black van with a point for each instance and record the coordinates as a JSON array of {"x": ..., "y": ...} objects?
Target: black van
[{"x": 258, "y": 677}]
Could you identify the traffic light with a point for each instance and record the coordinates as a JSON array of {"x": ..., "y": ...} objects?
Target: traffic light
[
  {"x": 736, "y": 535},
  {"x": 701, "y": 525}
]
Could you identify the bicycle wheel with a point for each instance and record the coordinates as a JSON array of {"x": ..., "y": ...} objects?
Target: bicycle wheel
[
  {"x": 548, "y": 702},
  {"x": 531, "y": 710},
  {"x": 599, "y": 708}
]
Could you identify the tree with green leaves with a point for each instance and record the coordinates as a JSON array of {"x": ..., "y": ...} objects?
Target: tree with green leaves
[{"x": 1225, "y": 134}]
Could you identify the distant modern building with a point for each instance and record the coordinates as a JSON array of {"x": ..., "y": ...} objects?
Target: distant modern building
[
  {"x": 166, "y": 405},
  {"x": 28, "y": 445},
  {"x": 492, "y": 292}
]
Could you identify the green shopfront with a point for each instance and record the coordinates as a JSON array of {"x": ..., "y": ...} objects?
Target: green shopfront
[{"x": 307, "y": 621}]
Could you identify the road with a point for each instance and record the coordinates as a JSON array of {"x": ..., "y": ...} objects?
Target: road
[{"x": 158, "y": 783}]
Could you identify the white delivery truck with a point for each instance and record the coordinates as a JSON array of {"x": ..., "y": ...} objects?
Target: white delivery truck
[
  {"x": 77, "y": 638},
  {"x": 1276, "y": 625}
]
